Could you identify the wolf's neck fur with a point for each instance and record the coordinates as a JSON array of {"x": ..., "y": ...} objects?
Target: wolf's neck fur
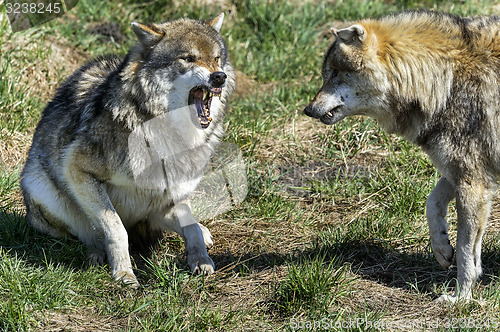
[
  {"x": 419, "y": 59},
  {"x": 425, "y": 61},
  {"x": 424, "y": 77},
  {"x": 129, "y": 100}
]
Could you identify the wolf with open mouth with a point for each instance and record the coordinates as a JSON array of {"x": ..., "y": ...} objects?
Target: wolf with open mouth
[{"x": 125, "y": 141}]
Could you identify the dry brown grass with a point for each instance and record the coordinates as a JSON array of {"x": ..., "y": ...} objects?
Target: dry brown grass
[
  {"x": 50, "y": 321},
  {"x": 13, "y": 148}
]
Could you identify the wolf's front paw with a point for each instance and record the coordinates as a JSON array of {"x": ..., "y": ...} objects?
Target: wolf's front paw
[
  {"x": 444, "y": 254},
  {"x": 452, "y": 299},
  {"x": 128, "y": 278},
  {"x": 207, "y": 237},
  {"x": 201, "y": 265},
  {"x": 446, "y": 299}
]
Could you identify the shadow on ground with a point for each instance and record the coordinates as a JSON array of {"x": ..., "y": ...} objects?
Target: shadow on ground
[
  {"x": 17, "y": 237},
  {"x": 372, "y": 260}
]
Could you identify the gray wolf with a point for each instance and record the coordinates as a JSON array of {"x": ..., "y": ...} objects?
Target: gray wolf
[
  {"x": 125, "y": 141},
  {"x": 434, "y": 79}
]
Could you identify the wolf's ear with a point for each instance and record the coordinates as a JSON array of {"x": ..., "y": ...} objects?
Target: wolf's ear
[
  {"x": 216, "y": 23},
  {"x": 356, "y": 31},
  {"x": 147, "y": 35}
]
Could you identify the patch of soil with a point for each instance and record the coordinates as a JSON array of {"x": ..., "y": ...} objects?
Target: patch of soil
[
  {"x": 109, "y": 31},
  {"x": 54, "y": 321}
]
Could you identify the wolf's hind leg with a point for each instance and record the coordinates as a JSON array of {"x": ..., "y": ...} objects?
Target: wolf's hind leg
[
  {"x": 473, "y": 209},
  {"x": 436, "y": 210},
  {"x": 44, "y": 205},
  {"x": 96, "y": 255},
  {"x": 37, "y": 219}
]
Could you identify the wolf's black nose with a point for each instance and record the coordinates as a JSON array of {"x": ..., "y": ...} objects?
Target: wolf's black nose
[
  {"x": 218, "y": 78},
  {"x": 308, "y": 110}
]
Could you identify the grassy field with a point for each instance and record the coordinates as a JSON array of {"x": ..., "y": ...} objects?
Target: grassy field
[{"x": 332, "y": 231}]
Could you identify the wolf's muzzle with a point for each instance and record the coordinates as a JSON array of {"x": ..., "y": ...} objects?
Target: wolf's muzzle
[
  {"x": 218, "y": 78},
  {"x": 308, "y": 110}
]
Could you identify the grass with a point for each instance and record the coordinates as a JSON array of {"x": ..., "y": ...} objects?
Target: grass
[
  {"x": 312, "y": 285},
  {"x": 331, "y": 233}
]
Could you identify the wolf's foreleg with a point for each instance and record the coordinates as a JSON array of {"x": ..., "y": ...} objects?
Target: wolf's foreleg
[
  {"x": 436, "y": 210},
  {"x": 196, "y": 236},
  {"x": 105, "y": 228}
]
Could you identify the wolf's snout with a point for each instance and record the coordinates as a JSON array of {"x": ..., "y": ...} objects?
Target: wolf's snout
[
  {"x": 218, "y": 78},
  {"x": 326, "y": 115},
  {"x": 308, "y": 110},
  {"x": 311, "y": 109}
]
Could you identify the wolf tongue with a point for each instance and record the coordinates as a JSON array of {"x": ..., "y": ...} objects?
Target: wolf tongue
[
  {"x": 200, "y": 108},
  {"x": 198, "y": 94}
]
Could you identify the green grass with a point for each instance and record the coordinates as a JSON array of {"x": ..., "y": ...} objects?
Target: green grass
[
  {"x": 312, "y": 285},
  {"x": 333, "y": 227}
]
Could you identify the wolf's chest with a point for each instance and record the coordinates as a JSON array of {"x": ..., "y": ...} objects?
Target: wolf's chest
[
  {"x": 152, "y": 182},
  {"x": 133, "y": 204}
]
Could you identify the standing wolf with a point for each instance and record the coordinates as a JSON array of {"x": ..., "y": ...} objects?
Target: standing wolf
[
  {"x": 125, "y": 142},
  {"x": 434, "y": 79}
]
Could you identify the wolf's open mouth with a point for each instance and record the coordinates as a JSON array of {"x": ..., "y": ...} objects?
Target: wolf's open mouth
[
  {"x": 333, "y": 116},
  {"x": 200, "y": 98}
]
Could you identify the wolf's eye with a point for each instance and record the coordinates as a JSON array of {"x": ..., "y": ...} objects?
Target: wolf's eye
[
  {"x": 188, "y": 59},
  {"x": 217, "y": 58}
]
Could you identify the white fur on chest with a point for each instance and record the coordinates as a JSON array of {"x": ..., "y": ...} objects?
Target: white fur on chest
[
  {"x": 167, "y": 157},
  {"x": 134, "y": 203}
]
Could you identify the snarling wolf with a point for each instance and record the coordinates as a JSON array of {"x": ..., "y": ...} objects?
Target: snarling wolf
[
  {"x": 125, "y": 141},
  {"x": 433, "y": 78}
]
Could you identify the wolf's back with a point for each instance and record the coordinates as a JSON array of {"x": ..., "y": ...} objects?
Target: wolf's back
[{"x": 79, "y": 99}]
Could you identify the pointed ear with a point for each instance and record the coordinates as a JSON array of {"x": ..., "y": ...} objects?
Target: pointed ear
[
  {"x": 147, "y": 35},
  {"x": 216, "y": 23},
  {"x": 356, "y": 31}
]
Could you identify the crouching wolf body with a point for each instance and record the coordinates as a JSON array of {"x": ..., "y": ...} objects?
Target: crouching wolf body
[
  {"x": 434, "y": 79},
  {"x": 125, "y": 142}
]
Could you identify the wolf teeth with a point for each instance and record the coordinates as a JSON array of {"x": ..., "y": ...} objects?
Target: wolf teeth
[
  {"x": 207, "y": 95},
  {"x": 211, "y": 94},
  {"x": 329, "y": 114}
]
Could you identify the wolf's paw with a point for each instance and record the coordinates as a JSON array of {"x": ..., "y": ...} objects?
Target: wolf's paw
[
  {"x": 446, "y": 299},
  {"x": 444, "y": 254},
  {"x": 128, "y": 278},
  {"x": 207, "y": 237},
  {"x": 96, "y": 257},
  {"x": 201, "y": 265},
  {"x": 452, "y": 299}
]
